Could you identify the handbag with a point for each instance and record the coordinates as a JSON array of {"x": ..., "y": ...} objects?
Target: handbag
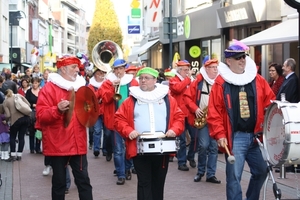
[
  {"x": 38, "y": 134},
  {"x": 21, "y": 105}
]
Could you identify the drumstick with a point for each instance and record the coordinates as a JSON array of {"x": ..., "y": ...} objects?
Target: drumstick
[{"x": 230, "y": 159}]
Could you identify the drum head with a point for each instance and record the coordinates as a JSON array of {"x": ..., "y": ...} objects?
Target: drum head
[{"x": 274, "y": 134}]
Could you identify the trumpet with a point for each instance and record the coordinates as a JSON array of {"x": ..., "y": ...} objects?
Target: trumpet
[{"x": 117, "y": 96}]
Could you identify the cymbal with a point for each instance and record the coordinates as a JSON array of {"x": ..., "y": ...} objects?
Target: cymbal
[
  {"x": 86, "y": 106},
  {"x": 69, "y": 112}
]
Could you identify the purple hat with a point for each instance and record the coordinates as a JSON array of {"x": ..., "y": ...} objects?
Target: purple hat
[{"x": 235, "y": 50}]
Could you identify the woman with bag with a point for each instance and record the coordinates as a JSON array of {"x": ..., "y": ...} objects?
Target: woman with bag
[
  {"x": 32, "y": 96},
  {"x": 18, "y": 124}
]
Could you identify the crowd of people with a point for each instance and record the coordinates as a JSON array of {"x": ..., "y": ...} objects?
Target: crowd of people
[{"x": 222, "y": 106}]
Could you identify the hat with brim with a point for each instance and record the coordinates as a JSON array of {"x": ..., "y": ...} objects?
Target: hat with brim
[
  {"x": 148, "y": 70},
  {"x": 131, "y": 68},
  {"x": 65, "y": 61},
  {"x": 236, "y": 50}
]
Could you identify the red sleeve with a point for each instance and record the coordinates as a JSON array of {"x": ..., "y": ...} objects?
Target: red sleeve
[
  {"x": 216, "y": 110},
  {"x": 176, "y": 122},
  {"x": 190, "y": 96},
  {"x": 107, "y": 91},
  {"x": 177, "y": 87}
]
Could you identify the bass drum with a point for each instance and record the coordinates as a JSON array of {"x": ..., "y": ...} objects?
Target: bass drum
[{"x": 282, "y": 133}]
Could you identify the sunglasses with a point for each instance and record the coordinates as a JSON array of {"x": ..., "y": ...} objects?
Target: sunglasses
[{"x": 240, "y": 57}]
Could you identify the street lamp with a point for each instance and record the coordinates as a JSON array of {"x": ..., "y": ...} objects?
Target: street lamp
[{"x": 14, "y": 18}]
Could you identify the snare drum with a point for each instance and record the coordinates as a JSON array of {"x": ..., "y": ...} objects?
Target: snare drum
[
  {"x": 157, "y": 146},
  {"x": 282, "y": 133}
]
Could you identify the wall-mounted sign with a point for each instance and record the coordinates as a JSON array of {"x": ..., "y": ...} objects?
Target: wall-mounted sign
[
  {"x": 135, "y": 9},
  {"x": 134, "y": 29}
]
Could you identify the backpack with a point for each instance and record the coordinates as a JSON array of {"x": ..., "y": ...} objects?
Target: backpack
[{"x": 21, "y": 105}]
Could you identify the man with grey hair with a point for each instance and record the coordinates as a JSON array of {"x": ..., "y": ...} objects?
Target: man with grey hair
[
  {"x": 290, "y": 85},
  {"x": 65, "y": 144}
]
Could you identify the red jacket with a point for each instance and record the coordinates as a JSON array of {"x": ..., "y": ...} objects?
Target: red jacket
[
  {"x": 177, "y": 89},
  {"x": 124, "y": 123},
  {"x": 192, "y": 97},
  {"x": 107, "y": 92},
  {"x": 220, "y": 108},
  {"x": 58, "y": 140},
  {"x": 95, "y": 90}
]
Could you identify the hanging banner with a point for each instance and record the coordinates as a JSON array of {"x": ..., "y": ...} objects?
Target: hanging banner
[{"x": 154, "y": 14}]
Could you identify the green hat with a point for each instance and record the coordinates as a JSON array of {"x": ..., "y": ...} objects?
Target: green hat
[
  {"x": 170, "y": 74},
  {"x": 148, "y": 70}
]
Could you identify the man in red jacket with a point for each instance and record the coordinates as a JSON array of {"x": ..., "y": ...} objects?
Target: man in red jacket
[
  {"x": 196, "y": 98},
  {"x": 149, "y": 109},
  {"x": 236, "y": 108},
  {"x": 63, "y": 144},
  {"x": 117, "y": 83},
  {"x": 178, "y": 86}
]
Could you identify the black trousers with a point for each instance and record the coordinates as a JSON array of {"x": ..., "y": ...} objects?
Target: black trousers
[
  {"x": 79, "y": 167},
  {"x": 151, "y": 173},
  {"x": 18, "y": 129}
]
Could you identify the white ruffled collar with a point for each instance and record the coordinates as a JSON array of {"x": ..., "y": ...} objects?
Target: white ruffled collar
[
  {"x": 239, "y": 79},
  {"x": 58, "y": 80},
  {"x": 155, "y": 95},
  {"x": 95, "y": 83},
  {"x": 179, "y": 76},
  {"x": 205, "y": 76},
  {"x": 127, "y": 78}
]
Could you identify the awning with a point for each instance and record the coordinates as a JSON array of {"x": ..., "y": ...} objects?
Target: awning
[
  {"x": 143, "y": 49},
  {"x": 286, "y": 31}
]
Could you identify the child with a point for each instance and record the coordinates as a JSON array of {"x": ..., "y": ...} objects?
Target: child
[{"x": 4, "y": 135}]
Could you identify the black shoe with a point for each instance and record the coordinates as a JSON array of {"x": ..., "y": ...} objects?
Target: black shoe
[
  {"x": 183, "y": 168},
  {"x": 108, "y": 157},
  {"x": 19, "y": 158},
  {"x": 11, "y": 159},
  {"x": 96, "y": 153},
  {"x": 39, "y": 152},
  {"x": 104, "y": 154},
  {"x": 192, "y": 163},
  {"x": 171, "y": 159},
  {"x": 31, "y": 151},
  {"x": 120, "y": 181},
  {"x": 198, "y": 177},
  {"x": 67, "y": 191},
  {"x": 115, "y": 172},
  {"x": 128, "y": 175},
  {"x": 213, "y": 179},
  {"x": 133, "y": 171}
]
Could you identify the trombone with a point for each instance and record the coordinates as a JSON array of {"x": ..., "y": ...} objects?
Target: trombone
[{"x": 117, "y": 96}]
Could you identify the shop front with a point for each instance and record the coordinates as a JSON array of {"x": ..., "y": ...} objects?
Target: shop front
[
  {"x": 240, "y": 21},
  {"x": 197, "y": 36}
]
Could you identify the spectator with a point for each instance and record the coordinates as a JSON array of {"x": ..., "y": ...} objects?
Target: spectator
[
  {"x": 18, "y": 125},
  {"x": 276, "y": 78}
]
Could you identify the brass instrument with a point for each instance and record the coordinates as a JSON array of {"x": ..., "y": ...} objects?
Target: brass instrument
[
  {"x": 201, "y": 121},
  {"x": 105, "y": 53},
  {"x": 117, "y": 96}
]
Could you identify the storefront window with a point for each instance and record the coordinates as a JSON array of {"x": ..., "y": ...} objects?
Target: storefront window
[{"x": 212, "y": 48}]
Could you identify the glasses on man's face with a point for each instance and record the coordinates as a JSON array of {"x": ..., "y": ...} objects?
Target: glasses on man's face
[
  {"x": 146, "y": 78},
  {"x": 240, "y": 57},
  {"x": 212, "y": 67}
]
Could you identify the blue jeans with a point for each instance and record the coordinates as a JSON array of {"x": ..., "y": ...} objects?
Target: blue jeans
[
  {"x": 207, "y": 153},
  {"x": 98, "y": 134},
  {"x": 245, "y": 149},
  {"x": 68, "y": 178},
  {"x": 181, "y": 154},
  {"x": 121, "y": 164}
]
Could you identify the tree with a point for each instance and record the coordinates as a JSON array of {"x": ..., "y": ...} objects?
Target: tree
[{"x": 105, "y": 25}]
